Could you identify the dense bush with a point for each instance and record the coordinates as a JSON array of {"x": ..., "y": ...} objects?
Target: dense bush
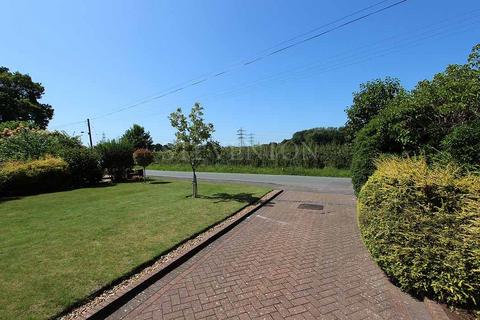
[
  {"x": 116, "y": 157},
  {"x": 8, "y": 128},
  {"x": 36, "y": 176},
  {"x": 24, "y": 143},
  {"x": 83, "y": 166},
  {"x": 422, "y": 226},
  {"x": 463, "y": 143},
  {"x": 431, "y": 117},
  {"x": 365, "y": 150}
]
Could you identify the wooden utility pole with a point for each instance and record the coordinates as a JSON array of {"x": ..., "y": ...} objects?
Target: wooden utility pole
[{"x": 89, "y": 133}]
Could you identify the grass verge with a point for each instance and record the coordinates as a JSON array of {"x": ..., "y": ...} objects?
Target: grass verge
[
  {"x": 57, "y": 248},
  {"x": 297, "y": 171}
]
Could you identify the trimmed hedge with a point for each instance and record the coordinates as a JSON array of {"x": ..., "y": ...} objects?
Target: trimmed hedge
[
  {"x": 422, "y": 226},
  {"x": 36, "y": 176}
]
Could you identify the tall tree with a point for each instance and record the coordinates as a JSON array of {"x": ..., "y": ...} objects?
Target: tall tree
[
  {"x": 138, "y": 137},
  {"x": 373, "y": 97},
  {"x": 19, "y": 97},
  {"x": 193, "y": 138}
]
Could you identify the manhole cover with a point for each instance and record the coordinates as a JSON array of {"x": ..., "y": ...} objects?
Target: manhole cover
[{"x": 310, "y": 206}]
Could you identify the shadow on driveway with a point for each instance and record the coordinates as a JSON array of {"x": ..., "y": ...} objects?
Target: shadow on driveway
[{"x": 225, "y": 197}]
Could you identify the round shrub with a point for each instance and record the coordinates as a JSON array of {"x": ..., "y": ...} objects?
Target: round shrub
[
  {"x": 36, "y": 176},
  {"x": 422, "y": 226},
  {"x": 83, "y": 165},
  {"x": 143, "y": 157}
]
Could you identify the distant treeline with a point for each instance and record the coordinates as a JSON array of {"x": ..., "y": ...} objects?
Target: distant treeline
[{"x": 313, "y": 148}]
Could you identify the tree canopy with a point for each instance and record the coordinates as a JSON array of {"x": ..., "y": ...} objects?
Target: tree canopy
[
  {"x": 138, "y": 137},
  {"x": 372, "y": 97},
  {"x": 319, "y": 136},
  {"x": 19, "y": 97}
]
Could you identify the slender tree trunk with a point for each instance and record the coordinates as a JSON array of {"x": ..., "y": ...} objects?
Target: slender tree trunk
[
  {"x": 194, "y": 183},
  {"x": 144, "y": 175}
]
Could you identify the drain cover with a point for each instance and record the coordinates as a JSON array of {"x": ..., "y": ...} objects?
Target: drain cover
[{"x": 310, "y": 206}]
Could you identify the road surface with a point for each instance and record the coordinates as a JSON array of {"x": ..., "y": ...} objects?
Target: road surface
[{"x": 320, "y": 184}]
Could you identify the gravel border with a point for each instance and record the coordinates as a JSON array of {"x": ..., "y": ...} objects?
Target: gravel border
[{"x": 108, "y": 300}]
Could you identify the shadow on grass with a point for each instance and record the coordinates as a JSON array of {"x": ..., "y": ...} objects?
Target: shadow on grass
[
  {"x": 226, "y": 197},
  {"x": 160, "y": 182},
  {"x": 100, "y": 185},
  {"x": 11, "y": 198}
]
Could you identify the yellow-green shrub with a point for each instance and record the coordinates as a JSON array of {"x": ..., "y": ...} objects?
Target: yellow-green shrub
[
  {"x": 36, "y": 176},
  {"x": 422, "y": 226}
]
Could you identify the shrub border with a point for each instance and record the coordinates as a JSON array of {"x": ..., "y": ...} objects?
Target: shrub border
[{"x": 180, "y": 253}]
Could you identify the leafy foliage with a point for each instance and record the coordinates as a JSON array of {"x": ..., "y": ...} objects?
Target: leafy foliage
[
  {"x": 24, "y": 144},
  {"x": 373, "y": 97},
  {"x": 116, "y": 157},
  {"x": 36, "y": 176},
  {"x": 285, "y": 155},
  {"x": 193, "y": 137},
  {"x": 463, "y": 143},
  {"x": 10, "y": 128},
  {"x": 417, "y": 122},
  {"x": 138, "y": 137},
  {"x": 143, "y": 157},
  {"x": 319, "y": 136},
  {"x": 19, "y": 97},
  {"x": 422, "y": 226},
  {"x": 83, "y": 165}
]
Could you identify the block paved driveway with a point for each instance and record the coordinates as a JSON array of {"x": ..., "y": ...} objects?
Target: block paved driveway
[{"x": 281, "y": 263}]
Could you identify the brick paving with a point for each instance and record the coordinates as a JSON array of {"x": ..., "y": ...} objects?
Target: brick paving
[{"x": 281, "y": 263}]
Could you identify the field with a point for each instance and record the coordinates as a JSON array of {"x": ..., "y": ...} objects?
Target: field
[
  {"x": 298, "y": 171},
  {"x": 57, "y": 248}
]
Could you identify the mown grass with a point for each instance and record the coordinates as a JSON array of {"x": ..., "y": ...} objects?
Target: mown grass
[
  {"x": 57, "y": 248},
  {"x": 298, "y": 171}
]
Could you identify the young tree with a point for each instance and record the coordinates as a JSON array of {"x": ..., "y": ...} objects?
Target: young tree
[
  {"x": 138, "y": 137},
  {"x": 192, "y": 137},
  {"x": 19, "y": 97},
  {"x": 143, "y": 158}
]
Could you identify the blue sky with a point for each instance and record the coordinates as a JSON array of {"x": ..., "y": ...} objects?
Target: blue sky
[{"x": 95, "y": 57}]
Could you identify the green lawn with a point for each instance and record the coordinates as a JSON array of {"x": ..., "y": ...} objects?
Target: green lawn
[
  {"x": 298, "y": 171},
  {"x": 57, "y": 248}
]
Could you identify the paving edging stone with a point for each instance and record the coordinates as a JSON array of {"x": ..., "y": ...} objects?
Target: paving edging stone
[
  {"x": 436, "y": 311},
  {"x": 111, "y": 299}
]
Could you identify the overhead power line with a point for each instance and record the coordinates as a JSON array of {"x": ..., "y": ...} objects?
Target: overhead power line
[
  {"x": 360, "y": 55},
  {"x": 363, "y": 53},
  {"x": 200, "y": 80}
]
